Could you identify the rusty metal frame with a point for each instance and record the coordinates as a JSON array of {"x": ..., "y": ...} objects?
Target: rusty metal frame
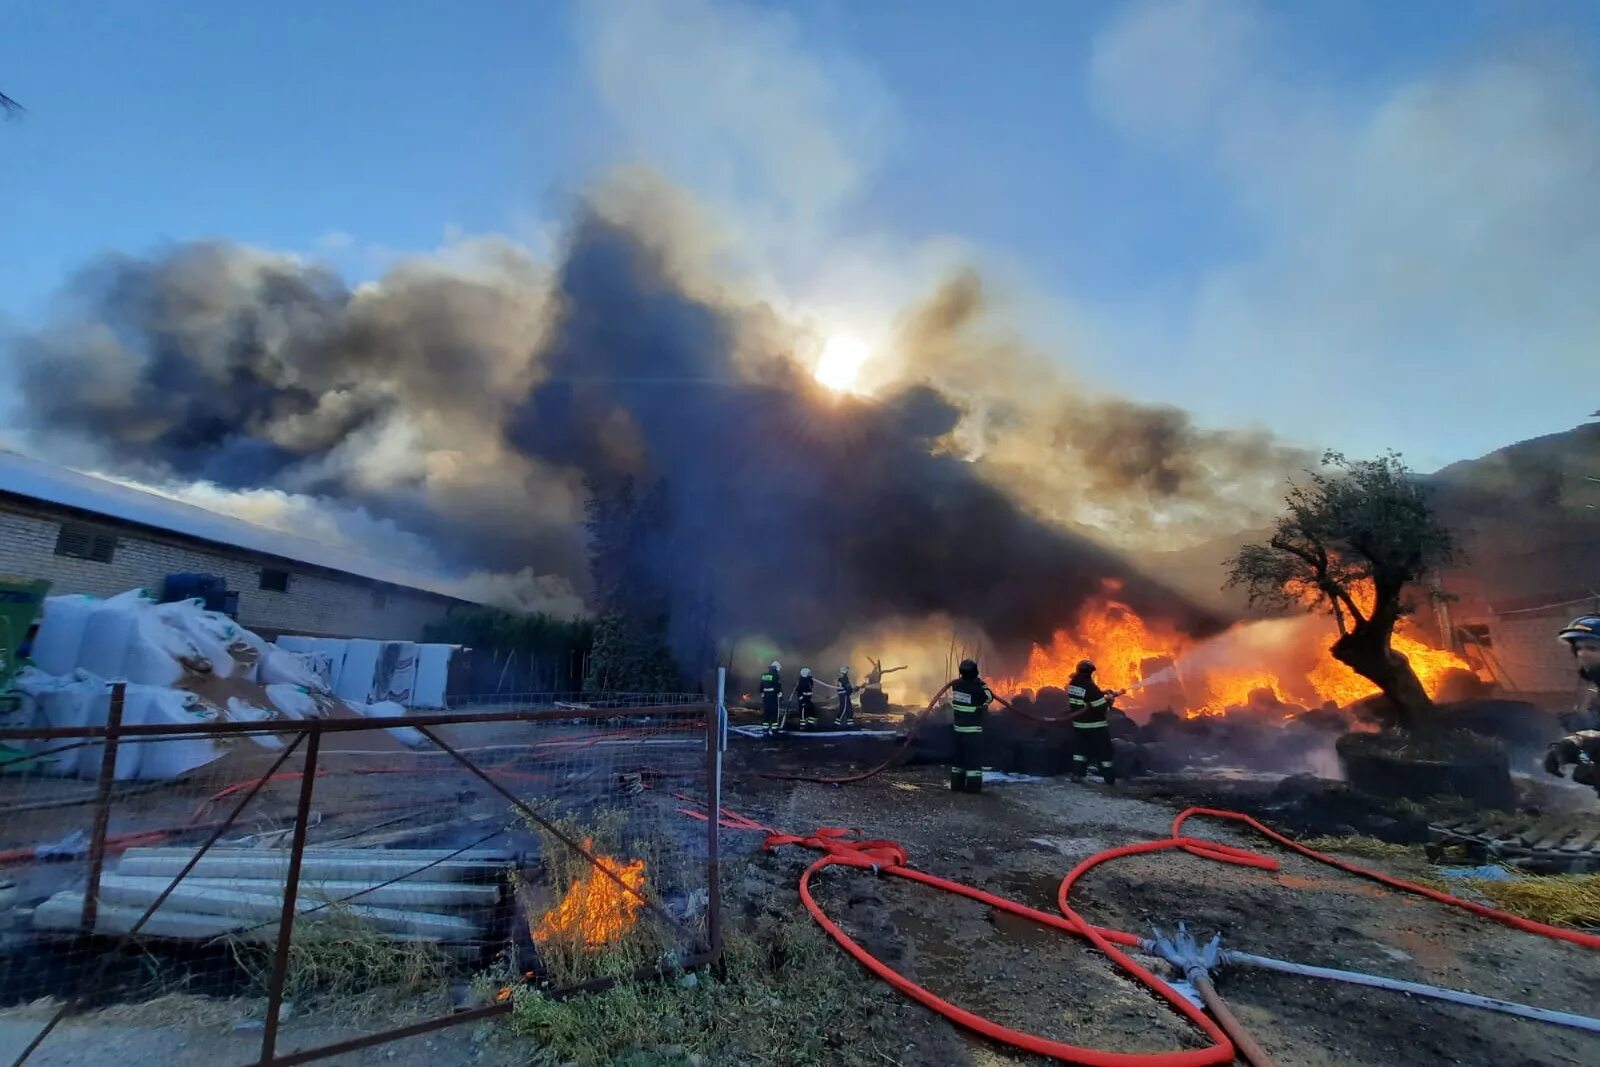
[
  {"x": 102, "y": 807},
  {"x": 310, "y": 733},
  {"x": 216, "y": 835},
  {"x": 339, "y": 726}
]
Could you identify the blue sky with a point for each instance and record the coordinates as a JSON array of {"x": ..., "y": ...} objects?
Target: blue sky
[{"x": 1248, "y": 210}]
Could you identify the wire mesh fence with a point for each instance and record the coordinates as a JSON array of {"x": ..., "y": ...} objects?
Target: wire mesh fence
[
  {"x": 330, "y": 884},
  {"x": 574, "y": 700}
]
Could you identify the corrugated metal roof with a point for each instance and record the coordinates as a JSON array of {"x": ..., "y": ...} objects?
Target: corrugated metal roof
[{"x": 27, "y": 477}]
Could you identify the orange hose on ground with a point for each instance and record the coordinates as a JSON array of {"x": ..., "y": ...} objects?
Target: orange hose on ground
[
  {"x": 1577, "y": 937},
  {"x": 887, "y": 857},
  {"x": 890, "y": 858}
]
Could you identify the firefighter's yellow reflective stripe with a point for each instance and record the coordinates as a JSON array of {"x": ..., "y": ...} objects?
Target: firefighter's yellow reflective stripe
[
  {"x": 974, "y": 774},
  {"x": 1091, "y": 725},
  {"x": 1080, "y": 759},
  {"x": 1099, "y": 702},
  {"x": 969, "y": 729}
]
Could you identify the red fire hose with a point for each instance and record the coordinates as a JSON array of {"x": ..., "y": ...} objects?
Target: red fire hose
[
  {"x": 1577, "y": 937},
  {"x": 887, "y": 857}
]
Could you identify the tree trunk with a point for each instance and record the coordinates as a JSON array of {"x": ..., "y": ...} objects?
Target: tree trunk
[{"x": 1366, "y": 651}]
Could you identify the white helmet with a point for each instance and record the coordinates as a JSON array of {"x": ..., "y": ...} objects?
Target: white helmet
[
  {"x": 775, "y": 665},
  {"x": 805, "y": 672},
  {"x": 845, "y": 669}
]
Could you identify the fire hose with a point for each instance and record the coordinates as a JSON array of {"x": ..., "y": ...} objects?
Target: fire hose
[
  {"x": 1227, "y": 1036},
  {"x": 894, "y": 756},
  {"x": 900, "y": 750}
]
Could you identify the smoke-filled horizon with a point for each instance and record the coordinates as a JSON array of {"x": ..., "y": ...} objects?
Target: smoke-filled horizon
[{"x": 464, "y": 401}]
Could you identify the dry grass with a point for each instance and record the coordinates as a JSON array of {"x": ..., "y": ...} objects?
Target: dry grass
[
  {"x": 344, "y": 957},
  {"x": 1559, "y": 900},
  {"x": 1360, "y": 845},
  {"x": 790, "y": 997}
]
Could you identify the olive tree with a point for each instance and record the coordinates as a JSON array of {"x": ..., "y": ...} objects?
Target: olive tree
[{"x": 1354, "y": 541}]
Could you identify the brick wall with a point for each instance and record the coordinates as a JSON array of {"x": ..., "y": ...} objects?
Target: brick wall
[
  {"x": 1540, "y": 667},
  {"x": 317, "y": 601}
]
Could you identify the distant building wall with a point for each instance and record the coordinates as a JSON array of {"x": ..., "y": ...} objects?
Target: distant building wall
[{"x": 316, "y": 601}]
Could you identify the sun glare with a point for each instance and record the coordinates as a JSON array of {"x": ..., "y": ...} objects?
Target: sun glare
[{"x": 841, "y": 360}]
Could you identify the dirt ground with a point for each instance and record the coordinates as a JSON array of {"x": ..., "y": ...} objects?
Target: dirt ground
[{"x": 1018, "y": 840}]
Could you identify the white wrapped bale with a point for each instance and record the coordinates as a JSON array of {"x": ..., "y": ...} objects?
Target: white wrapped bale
[
  {"x": 169, "y": 757},
  {"x": 388, "y": 709},
  {"x": 433, "y": 675},
  {"x": 360, "y": 668},
  {"x": 59, "y": 643},
  {"x": 109, "y": 631}
]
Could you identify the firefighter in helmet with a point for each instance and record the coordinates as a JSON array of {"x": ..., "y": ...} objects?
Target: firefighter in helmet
[
  {"x": 771, "y": 696},
  {"x": 1087, "y": 704},
  {"x": 1582, "y": 636},
  {"x": 970, "y": 696},
  {"x": 804, "y": 709},
  {"x": 845, "y": 688}
]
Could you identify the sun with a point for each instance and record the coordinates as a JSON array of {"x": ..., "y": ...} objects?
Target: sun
[{"x": 840, "y": 363}]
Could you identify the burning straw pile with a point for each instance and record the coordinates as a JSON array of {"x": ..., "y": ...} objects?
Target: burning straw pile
[{"x": 591, "y": 920}]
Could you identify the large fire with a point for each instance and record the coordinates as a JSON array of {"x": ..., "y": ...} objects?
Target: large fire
[
  {"x": 1287, "y": 658},
  {"x": 596, "y": 910}
]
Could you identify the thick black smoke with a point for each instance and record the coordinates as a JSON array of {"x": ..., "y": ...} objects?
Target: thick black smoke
[
  {"x": 808, "y": 512},
  {"x": 471, "y": 405}
]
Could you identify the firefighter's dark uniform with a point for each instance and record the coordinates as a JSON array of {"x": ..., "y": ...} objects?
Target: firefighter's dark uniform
[
  {"x": 771, "y": 694},
  {"x": 1588, "y": 716},
  {"x": 1580, "y": 751},
  {"x": 971, "y": 698},
  {"x": 847, "y": 711},
  {"x": 804, "y": 709},
  {"x": 1091, "y": 732}
]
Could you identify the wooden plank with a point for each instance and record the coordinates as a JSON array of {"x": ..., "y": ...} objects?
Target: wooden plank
[
  {"x": 1585, "y": 839},
  {"x": 1505, "y": 829},
  {"x": 1532, "y": 832},
  {"x": 1557, "y": 834}
]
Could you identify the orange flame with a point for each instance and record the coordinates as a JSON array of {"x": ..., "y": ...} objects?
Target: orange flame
[
  {"x": 1123, "y": 646},
  {"x": 596, "y": 910}
]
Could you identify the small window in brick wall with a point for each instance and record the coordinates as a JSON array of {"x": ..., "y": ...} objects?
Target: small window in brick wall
[
  {"x": 380, "y": 598},
  {"x": 274, "y": 581},
  {"x": 85, "y": 542}
]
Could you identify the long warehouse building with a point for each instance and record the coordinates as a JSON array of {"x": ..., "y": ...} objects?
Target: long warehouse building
[{"x": 90, "y": 535}]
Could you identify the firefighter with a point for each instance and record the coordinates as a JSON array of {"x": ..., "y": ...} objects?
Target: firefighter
[
  {"x": 1581, "y": 752},
  {"x": 771, "y": 697},
  {"x": 1088, "y": 704},
  {"x": 970, "y": 696},
  {"x": 1582, "y": 635},
  {"x": 847, "y": 712},
  {"x": 804, "y": 709}
]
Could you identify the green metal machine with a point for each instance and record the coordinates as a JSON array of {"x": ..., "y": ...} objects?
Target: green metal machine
[{"x": 21, "y": 603}]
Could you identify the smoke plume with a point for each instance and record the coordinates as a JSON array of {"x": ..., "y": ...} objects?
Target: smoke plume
[
  {"x": 1145, "y": 473},
  {"x": 466, "y": 402}
]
